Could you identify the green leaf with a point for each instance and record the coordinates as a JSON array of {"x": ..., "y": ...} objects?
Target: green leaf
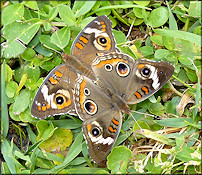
[
  {"x": 174, "y": 122},
  {"x": 32, "y": 72},
  {"x": 7, "y": 155},
  {"x": 67, "y": 124},
  {"x": 31, "y": 4},
  {"x": 180, "y": 35},
  {"x": 46, "y": 41},
  {"x": 66, "y": 14},
  {"x": 52, "y": 13},
  {"x": 158, "y": 17},
  {"x": 28, "y": 54},
  {"x": 11, "y": 89},
  {"x": 60, "y": 140},
  {"x": 184, "y": 60},
  {"x": 117, "y": 161},
  {"x": 12, "y": 13},
  {"x": 119, "y": 36},
  {"x": 74, "y": 150},
  {"x": 8, "y": 73},
  {"x": 45, "y": 129},
  {"x": 195, "y": 9},
  {"x": 146, "y": 50},
  {"x": 156, "y": 109},
  {"x": 142, "y": 3},
  {"x": 172, "y": 21},
  {"x": 161, "y": 53},
  {"x": 47, "y": 26},
  {"x": 153, "y": 135},
  {"x": 85, "y": 8},
  {"x": 4, "y": 110},
  {"x": 21, "y": 102},
  {"x": 61, "y": 37}
]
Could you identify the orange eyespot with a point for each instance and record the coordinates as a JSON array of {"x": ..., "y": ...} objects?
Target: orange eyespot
[
  {"x": 102, "y": 40},
  {"x": 61, "y": 101}
]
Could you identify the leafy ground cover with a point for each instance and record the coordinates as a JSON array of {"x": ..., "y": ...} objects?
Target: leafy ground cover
[{"x": 35, "y": 33}]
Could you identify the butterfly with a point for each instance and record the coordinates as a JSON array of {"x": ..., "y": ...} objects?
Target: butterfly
[{"x": 97, "y": 83}]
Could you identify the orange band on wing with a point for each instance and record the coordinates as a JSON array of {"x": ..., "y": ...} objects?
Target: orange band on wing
[
  {"x": 88, "y": 127},
  {"x": 111, "y": 61},
  {"x": 58, "y": 74},
  {"x": 78, "y": 45},
  {"x": 82, "y": 95},
  {"x": 85, "y": 40},
  {"x": 116, "y": 122},
  {"x": 111, "y": 129},
  {"x": 141, "y": 66},
  {"x": 53, "y": 81},
  {"x": 145, "y": 90},
  {"x": 138, "y": 95}
]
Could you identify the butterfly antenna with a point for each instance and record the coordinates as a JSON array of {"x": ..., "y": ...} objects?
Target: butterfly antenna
[
  {"x": 135, "y": 120},
  {"x": 144, "y": 114}
]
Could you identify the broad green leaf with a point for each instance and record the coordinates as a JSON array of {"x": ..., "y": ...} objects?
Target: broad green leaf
[
  {"x": 67, "y": 124},
  {"x": 61, "y": 37},
  {"x": 142, "y": 3},
  {"x": 60, "y": 140},
  {"x": 47, "y": 26},
  {"x": 11, "y": 89},
  {"x": 22, "y": 156},
  {"x": 28, "y": 54},
  {"x": 45, "y": 129},
  {"x": 172, "y": 21},
  {"x": 46, "y": 41},
  {"x": 22, "y": 82},
  {"x": 32, "y": 72},
  {"x": 77, "y": 5},
  {"x": 12, "y": 49},
  {"x": 120, "y": 6},
  {"x": 174, "y": 122},
  {"x": 66, "y": 14},
  {"x": 161, "y": 53},
  {"x": 53, "y": 13},
  {"x": 138, "y": 13},
  {"x": 184, "y": 60},
  {"x": 8, "y": 73},
  {"x": 86, "y": 7},
  {"x": 158, "y": 17},
  {"x": 43, "y": 51},
  {"x": 31, "y": 4},
  {"x": 146, "y": 50},
  {"x": 12, "y": 13},
  {"x": 181, "y": 35},
  {"x": 117, "y": 161},
  {"x": 119, "y": 36},
  {"x": 21, "y": 102},
  {"x": 195, "y": 9},
  {"x": 74, "y": 150},
  {"x": 4, "y": 110},
  {"x": 156, "y": 109},
  {"x": 153, "y": 135},
  {"x": 8, "y": 155}
]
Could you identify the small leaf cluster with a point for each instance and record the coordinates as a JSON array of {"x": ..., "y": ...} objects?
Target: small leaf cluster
[{"x": 34, "y": 36}]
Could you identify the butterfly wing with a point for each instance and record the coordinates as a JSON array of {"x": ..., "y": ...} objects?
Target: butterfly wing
[
  {"x": 96, "y": 37},
  {"x": 102, "y": 120},
  {"x": 55, "y": 95},
  {"x": 133, "y": 80}
]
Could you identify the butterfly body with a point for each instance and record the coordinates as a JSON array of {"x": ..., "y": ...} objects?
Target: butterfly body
[{"x": 97, "y": 83}]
